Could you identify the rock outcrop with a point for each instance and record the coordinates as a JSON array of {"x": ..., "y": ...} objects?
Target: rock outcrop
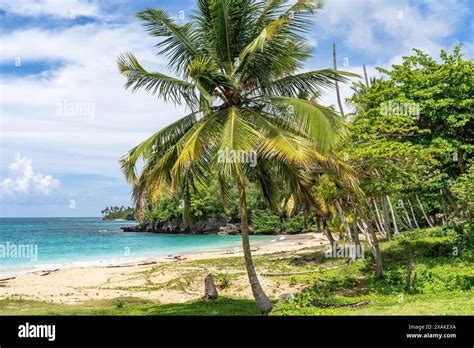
[{"x": 175, "y": 226}]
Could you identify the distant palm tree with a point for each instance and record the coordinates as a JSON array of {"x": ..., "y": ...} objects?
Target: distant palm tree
[{"x": 235, "y": 67}]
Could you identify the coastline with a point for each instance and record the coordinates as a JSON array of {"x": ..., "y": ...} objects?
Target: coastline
[
  {"x": 133, "y": 279},
  {"x": 119, "y": 260}
]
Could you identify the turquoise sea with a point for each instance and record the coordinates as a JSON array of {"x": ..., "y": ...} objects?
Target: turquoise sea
[{"x": 31, "y": 244}]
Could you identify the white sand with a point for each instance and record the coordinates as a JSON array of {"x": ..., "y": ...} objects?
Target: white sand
[{"x": 166, "y": 279}]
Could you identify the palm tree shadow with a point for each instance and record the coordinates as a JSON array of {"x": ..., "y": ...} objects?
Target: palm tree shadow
[{"x": 220, "y": 307}]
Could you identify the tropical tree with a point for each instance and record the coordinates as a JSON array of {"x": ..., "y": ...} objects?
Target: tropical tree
[{"x": 236, "y": 68}]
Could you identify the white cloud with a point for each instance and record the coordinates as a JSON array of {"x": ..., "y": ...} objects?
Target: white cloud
[
  {"x": 64, "y": 8},
  {"x": 79, "y": 143},
  {"x": 23, "y": 181},
  {"x": 387, "y": 28}
]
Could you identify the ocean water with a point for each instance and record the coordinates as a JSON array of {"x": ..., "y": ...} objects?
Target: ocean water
[{"x": 31, "y": 244}]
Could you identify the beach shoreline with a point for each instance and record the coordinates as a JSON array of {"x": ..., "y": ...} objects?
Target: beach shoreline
[
  {"x": 118, "y": 261},
  {"x": 152, "y": 278}
]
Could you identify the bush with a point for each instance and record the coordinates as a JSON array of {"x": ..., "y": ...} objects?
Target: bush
[
  {"x": 265, "y": 221},
  {"x": 223, "y": 280},
  {"x": 294, "y": 224},
  {"x": 166, "y": 209}
]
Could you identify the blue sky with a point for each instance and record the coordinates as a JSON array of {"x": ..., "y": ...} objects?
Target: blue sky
[{"x": 66, "y": 119}]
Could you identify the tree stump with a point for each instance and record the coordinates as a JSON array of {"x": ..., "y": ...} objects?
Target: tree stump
[{"x": 210, "y": 290}]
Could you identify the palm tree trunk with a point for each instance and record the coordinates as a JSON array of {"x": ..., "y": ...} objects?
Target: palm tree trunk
[
  {"x": 394, "y": 218},
  {"x": 406, "y": 215},
  {"x": 354, "y": 227},
  {"x": 186, "y": 213},
  {"x": 379, "y": 218},
  {"x": 423, "y": 211},
  {"x": 365, "y": 75},
  {"x": 340, "y": 212},
  {"x": 338, "y": 94},
  {"x": 413, "y": 214},
  {"x": 386, "y": 218},
  {"x": 263, "y": 302},
  {"x": 328, "y": 233},
  {"x": 371, "y": 238}
]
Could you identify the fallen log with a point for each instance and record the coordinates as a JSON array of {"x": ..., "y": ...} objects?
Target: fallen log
[
  {"x": 340, "y": 305},
  {"x": 281, "y": 274}
]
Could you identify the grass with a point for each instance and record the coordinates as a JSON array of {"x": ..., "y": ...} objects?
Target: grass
[
  {"x": 131, "y": 306},
  {"x": 444, "y": 281},
  {"x": 444, "y": 284}
]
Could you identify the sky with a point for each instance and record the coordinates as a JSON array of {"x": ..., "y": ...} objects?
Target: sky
[{"x": 66, "y": 119}]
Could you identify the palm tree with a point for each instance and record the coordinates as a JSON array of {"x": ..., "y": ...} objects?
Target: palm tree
[{"x": 235, "y": 68}]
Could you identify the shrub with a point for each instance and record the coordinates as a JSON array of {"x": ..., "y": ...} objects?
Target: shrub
[
  {"x": 293, "y": 224},
  {"x": 265, "y": 221},
  {"x": 223, "y": 280}
]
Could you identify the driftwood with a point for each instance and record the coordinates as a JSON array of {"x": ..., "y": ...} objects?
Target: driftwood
[
  {"x": 120, "y": 266},
  {"x": 340, "y": 305},
  {"x": 210, "y": 290},
  {"x": 147, "y": 263},
  {"x": 175, "y": 258},
  {"x": 48, "y": 272},
  {"x": 281, "y": 274},
  {"x": 5, "y": 279}
]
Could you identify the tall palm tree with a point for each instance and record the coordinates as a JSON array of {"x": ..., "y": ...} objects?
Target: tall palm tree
[{"x": 234, "y": 67}]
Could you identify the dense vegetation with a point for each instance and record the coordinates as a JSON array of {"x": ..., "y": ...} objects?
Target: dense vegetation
[
  {"x": 112, "y": 213},
  {"x": 400, "y": 162}
]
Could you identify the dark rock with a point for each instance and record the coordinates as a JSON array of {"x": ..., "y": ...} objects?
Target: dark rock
[{"x": 229, "y": 229}]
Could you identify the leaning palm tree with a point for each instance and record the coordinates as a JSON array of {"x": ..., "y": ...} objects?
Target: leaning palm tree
[{"x": 235, "y": 67}]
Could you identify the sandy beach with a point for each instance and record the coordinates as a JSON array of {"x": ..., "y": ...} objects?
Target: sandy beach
[{"x": 170, "y": 279}]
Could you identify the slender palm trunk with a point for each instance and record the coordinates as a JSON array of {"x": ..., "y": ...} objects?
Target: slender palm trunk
[
  {"x": 379, "y": 218},
  {"x": 365, "y": 75},
  {"x": 263, "y": 302},
  {"x": 354, "y": 228},
  {"x": 386, "y": 218},
  {"x": 340, "y": 212},
  {"x": 413, "y": 214},
  {"x": 338, "y": 94},
  {"x": 394, "y": 218},
  {"x": 327, "y": 233},
  {"x": 371, "y": 238},
  {"x": 423, "y": 211},
  {"x": 407, "y": 216},
  {"x": 186, "y": 214}
]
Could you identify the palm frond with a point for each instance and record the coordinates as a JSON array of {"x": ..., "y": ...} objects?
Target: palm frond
[
  {"x": 179, "y": 43},
  {"x": 156, "y": 144},
  {"x": 164, "y": 86}
]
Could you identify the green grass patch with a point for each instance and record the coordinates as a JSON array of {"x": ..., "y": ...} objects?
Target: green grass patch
[{"x": 131, "y": 306}]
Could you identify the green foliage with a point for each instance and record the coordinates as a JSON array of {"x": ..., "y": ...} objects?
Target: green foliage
[
  {"x": 265, "y": 221},
  {"x": 413, "y": 132},
  {"x": 293, "y": 224},
  {"x": 223, "y": 280},
  {"x": 115, "y": 212},
  {"x": 166, "y": 209},
  {"x": 444, "y": 283},
  {"x": 463, "y": 189},
  {"x": 130, "y": 306}
]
